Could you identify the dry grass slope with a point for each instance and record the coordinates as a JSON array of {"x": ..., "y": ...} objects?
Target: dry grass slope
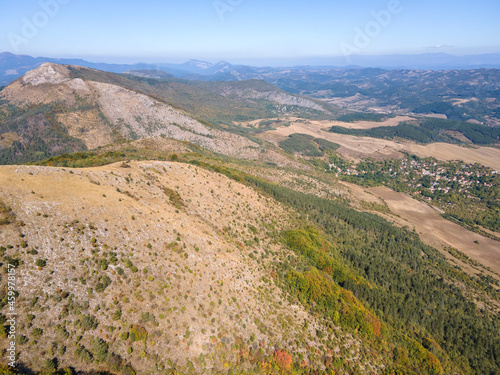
[{"x": 157, "y": 259}]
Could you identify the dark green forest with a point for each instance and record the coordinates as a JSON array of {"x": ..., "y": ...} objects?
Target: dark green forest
[
  {"x": 428, "y": 131},
  {"x": 409, "y": 284},
  {"x": 40, "y": 135},
  {"x": 307, "y": 145},
  {"x": 364, "y": 116}
]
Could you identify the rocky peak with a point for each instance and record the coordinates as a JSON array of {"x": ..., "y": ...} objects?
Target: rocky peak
[{"x": 47, "y": 73}]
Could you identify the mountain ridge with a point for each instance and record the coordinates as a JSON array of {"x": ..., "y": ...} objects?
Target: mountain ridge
[
  {"x": 13, "y": 66},
  {"x": 92, "y": 107}
]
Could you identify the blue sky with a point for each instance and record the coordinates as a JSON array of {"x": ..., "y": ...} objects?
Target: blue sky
[{"x": 245, "y": 31}]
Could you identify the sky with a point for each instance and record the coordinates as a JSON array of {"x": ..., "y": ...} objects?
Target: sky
[{"x": 245, "y": 31}]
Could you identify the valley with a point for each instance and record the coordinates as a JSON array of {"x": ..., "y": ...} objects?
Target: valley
[
  {"x": 357, "y": 147},
  {"x": 165, "y": 225}
]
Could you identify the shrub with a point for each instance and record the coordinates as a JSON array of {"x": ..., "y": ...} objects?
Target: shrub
[
  {"x": 6, "y": 370},
  {"x": 128, "y": 370},
  {"x": 62, "y": 332},
  {"x": 148, "y": 317},
  {"x": 174, "y": 197},
  {"x": 14, "y": 261},
  {"x": 102, "y": 283},
  {"x": 100, "y": 348},
  {"x": 22, "y": 340},
  {"x": 138, "y": 333},
  {"x": 103, "y": 263},
  {"x": 6, "y": 214},
  {"x": 117, "y": 315},
  {"x": 114, "y": 362},
  {"x": 50, "y": 364},
  {"x": 83, "y": 354},
  {"x": 88, "y": 322},
  {"x": 41, "y": 262},
  {"x": 37, "y": 332}
]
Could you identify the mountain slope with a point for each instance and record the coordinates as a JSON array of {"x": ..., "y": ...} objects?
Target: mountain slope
[
  {"x": 81, "y": 108},
  {"x": 86, "y": 114},
  {"x": 152, "y": 265}
]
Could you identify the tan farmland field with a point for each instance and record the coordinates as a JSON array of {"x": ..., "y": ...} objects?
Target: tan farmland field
[
  {"x": 364, "y": 124},
  {"x": 439, "y": 232},
  {"x": 362, "y": 147}
]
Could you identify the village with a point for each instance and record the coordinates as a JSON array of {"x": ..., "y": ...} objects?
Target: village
[{"x": 466, "y": 191}]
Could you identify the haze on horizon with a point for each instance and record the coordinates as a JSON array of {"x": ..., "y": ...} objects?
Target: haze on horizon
[{"x": 247, "y": 32}]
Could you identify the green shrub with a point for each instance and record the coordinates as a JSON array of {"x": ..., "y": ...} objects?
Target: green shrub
[
  {"x": 50, "y": 364},
  {"x": 138, "y": 333},
  {"x": 117, "y": 315},
  {"x": 62, "y": 332},
  {"x": 88, "y": 322},
  {"x": 100, "y": 349},
  {"x": 148, "y": 317},
  {"x": 22, "y": 340},
  {"x": 114, "y": 362},
  {"x": 83, "y": 354},
  {"x": 37, "y": 333},
  {"x": 41, "y": 262},
  {"x": 102, "y": 283},
  {"x": 128, "y": 370}
]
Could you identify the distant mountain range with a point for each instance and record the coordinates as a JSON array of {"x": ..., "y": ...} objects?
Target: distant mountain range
[
  {"x": 14, "y": 66},
  {"x": 64, "y": 108}
]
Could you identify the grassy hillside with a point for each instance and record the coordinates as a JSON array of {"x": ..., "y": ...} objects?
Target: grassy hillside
[
  {"x": 380, "y": 285},
  {"x": 163, "y": 256}
]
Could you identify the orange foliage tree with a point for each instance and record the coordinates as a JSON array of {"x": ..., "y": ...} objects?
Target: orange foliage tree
[{"x": 283, "y": 359}]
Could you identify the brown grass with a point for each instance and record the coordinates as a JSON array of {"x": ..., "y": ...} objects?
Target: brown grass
[
  {"x": 6, "y": 139},
  {"x": 187, "y": 227}
]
